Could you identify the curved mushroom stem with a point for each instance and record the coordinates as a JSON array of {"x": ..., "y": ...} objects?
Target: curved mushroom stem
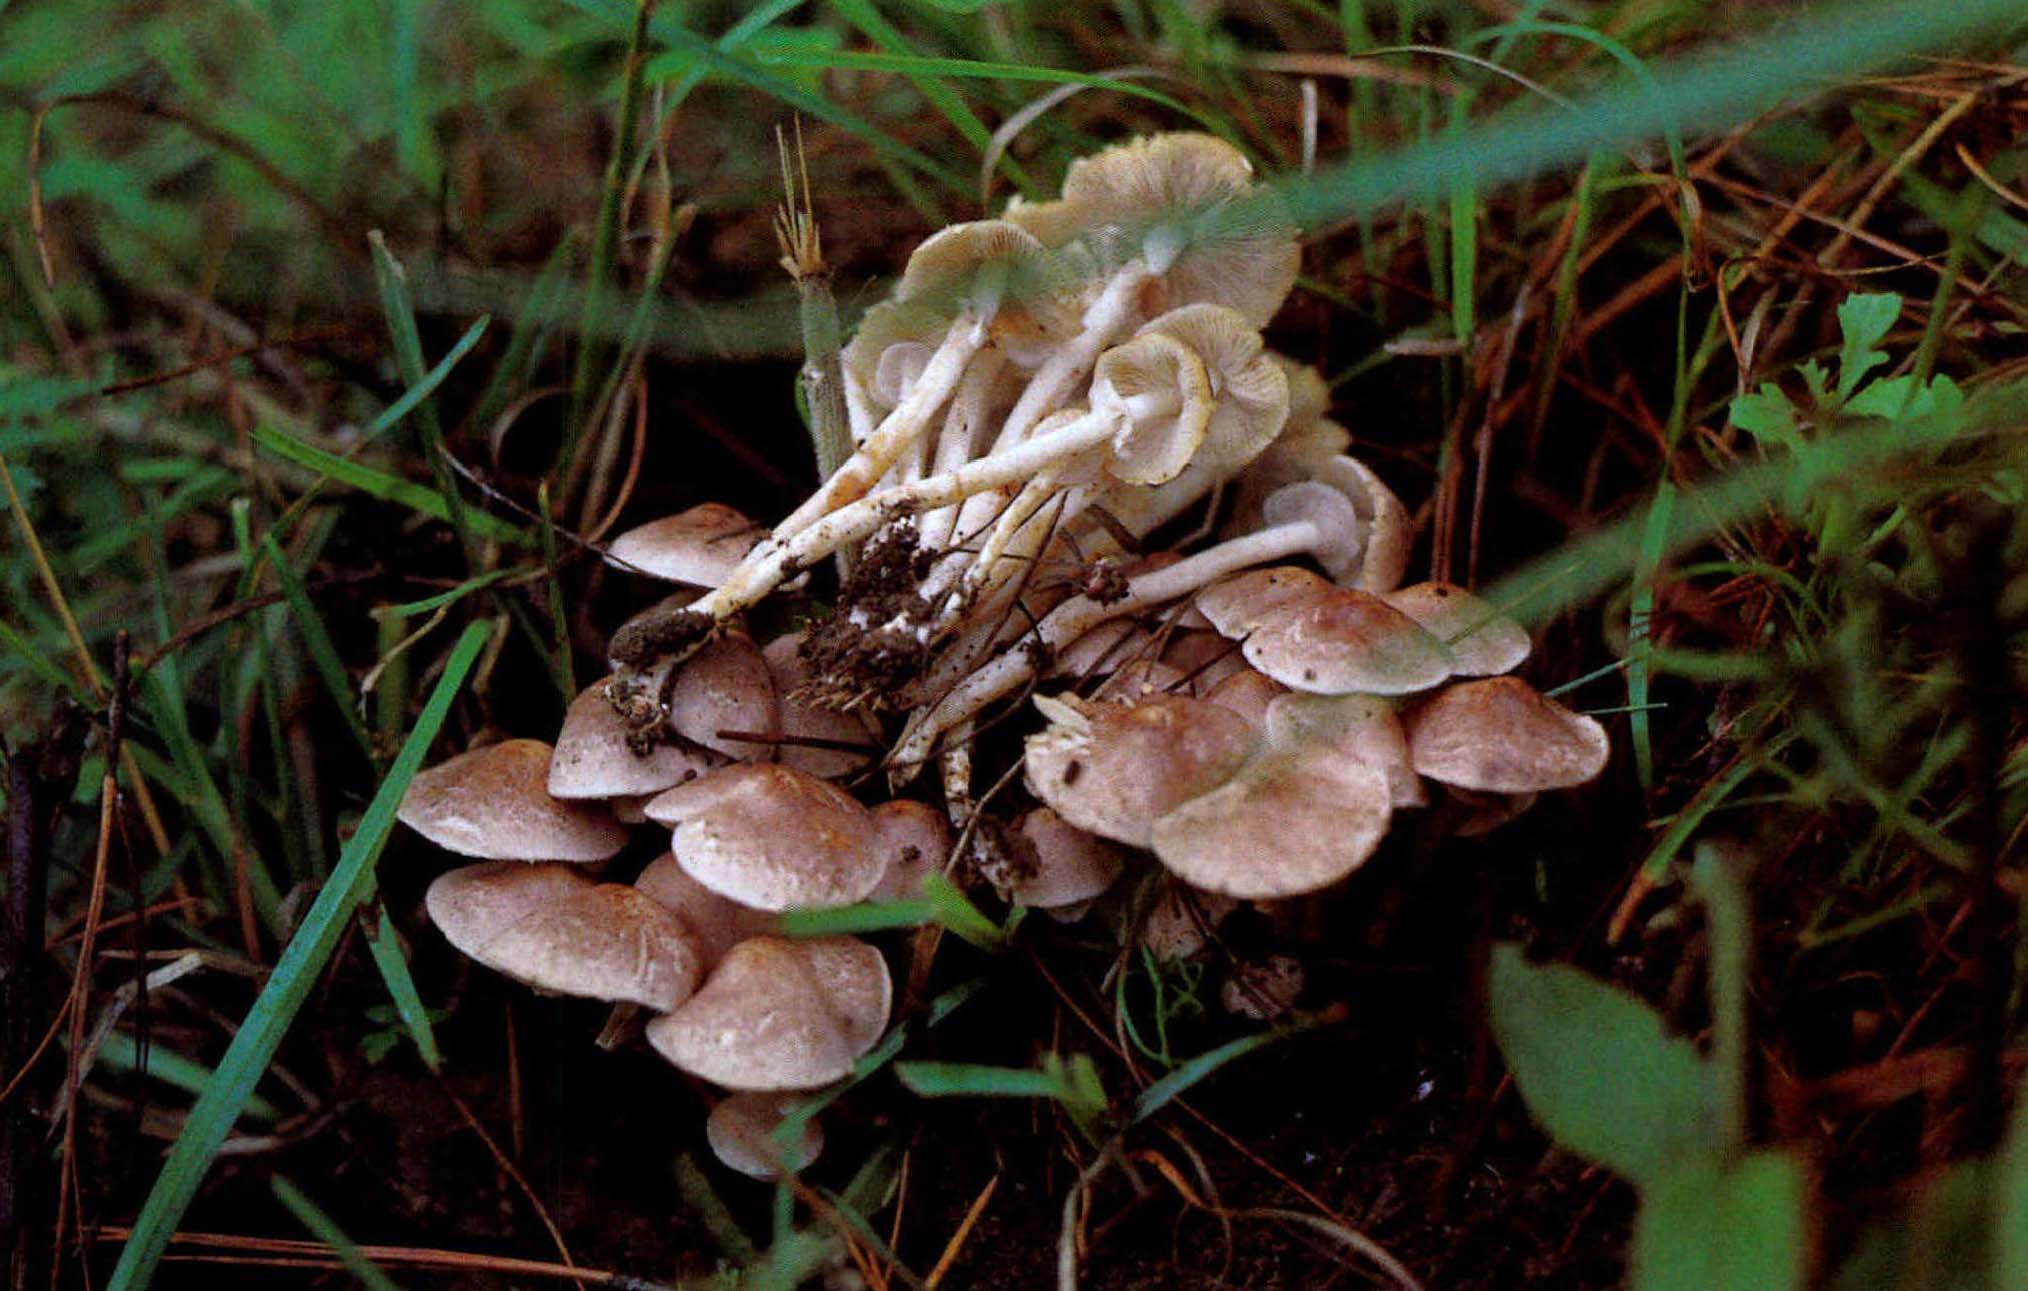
[
  {"x": 1079, "y": 615},
  {"x": 901, "y": 428},
  {"x": 960, "y": 436},
  {"x": 779, "y": 558}
]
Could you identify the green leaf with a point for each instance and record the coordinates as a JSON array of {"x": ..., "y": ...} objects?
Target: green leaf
[
  {"x": 1709, "y": 1225},
  {"x": 1863, "y": 320},
  {"x": 1596, "y": 1068},
  {"x": 382, "y": 485},
  {"x": 1768, "y": 416},
  {"x": 295, "y": 974}
]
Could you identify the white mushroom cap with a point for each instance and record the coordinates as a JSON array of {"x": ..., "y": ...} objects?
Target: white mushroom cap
[
  {"x": 718, "y": 923},
  {"x": 916, "y": 840},
  {"x": 1289, "y": 822},
  {"x": 1239, "y": 605},
  {"x": 779, "y": 1014},
  {"x": 1360, "y": 727},
  {"x": 740, "y": 1130},
  {"x": 494, "y": 803},
  {"x": 772, "y": 838},
  {"x": 549, "y": 927},
  {"x": 1113, "y": 769},
  {"x": 1482, "y": 641},
  {"x": 592, "y": 758},
  {"x": 1071, "y": 866},
  {"x": 803, "y": 720},
  {"x": 726, "y": 686},
  {"x": 699, "y": 546},
  {"x": 1501, "y": 735},
  {"x": 1345, "y": 641}
]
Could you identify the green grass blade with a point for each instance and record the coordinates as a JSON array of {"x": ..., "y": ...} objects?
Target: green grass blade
[
  {"x": 392, "y": 282},
  {"x": 539, "y": 310},
  {"x": 422, "y": 389},
  {"x": 867, "y": 916},
  {"x": 381, "y": 485},
  {"x": 323, "y": 654},
  {"x": 388, "y": 957},
  {"x": 1172, "y": 1086},
  {"x": 295, "y": 974},
  {"x": 449, "y": 596},
  {"x": 118, "y": 1051},
  {"x": 321, "y": 1227},
  {"x": 920, "y": 65},
  {"x": 978, "y": 1080}
]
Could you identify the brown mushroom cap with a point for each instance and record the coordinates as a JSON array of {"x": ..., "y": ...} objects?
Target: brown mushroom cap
[
  {"x": 1483, "y": 642},
  {"x": 779, "y": 1014},
  {"x": 1113, "y": 769},
  {"x": 1138, "y": 680},
  {"x": 699, "y": 546},
  {"x": 916, "y": 840},
  {"x": 726, "y": 686},
  {"x": 1501, "y": 735},
  {"x": 718, "y": 923},
  {"x": 803, "y": 720},
  {"x": 592, "y": 758},
  {"x": 1071, "y": 866},
  {"x": 740, "y": 1130},
  {"x": 1182, "y": 920},
  {"x": 1345, "y": 641},
  {"x": 1361, "y": 727},
  {"x": 772, "y": 838},
  {"x": 1247, "y": 693},
  {"x": 494, "y": 803},
  {"x": 1289, "y": 822},
  {"x": 555, "y": 930},
  {"x": 1239, "y": 605}
]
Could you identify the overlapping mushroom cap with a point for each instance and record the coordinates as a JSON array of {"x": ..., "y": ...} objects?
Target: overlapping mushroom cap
[
  {"x": 778, "y": 1014},
  {"x": 594, "y": 757},
  {"x": 494, "y": 803},
  {"x": 699, "y": 546},
  {"x": 1114, "y": 769},
  {"x": 549, "y": 926},
  {"x": 741, "y": 1131},
  {"x": 1482, "y": 641},
  {"x": 771, "y": 837},
  {"x": 1501, "y": 735}
]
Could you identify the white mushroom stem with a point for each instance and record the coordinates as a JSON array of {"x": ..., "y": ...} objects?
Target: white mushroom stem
[
  {"x": 959, "y": 439},
  {"x": 1081, "y": 614},
  {"x": 897, "y": 432},
  {"x": 779, "y": 558}
]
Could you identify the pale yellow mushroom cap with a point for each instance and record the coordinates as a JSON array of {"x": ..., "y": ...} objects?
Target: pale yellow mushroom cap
[
  {"x": 1288, "y": 822},
  {"x": 1251, "y": 389},
  {"x": 1483, "y": 642},
  {"x": 772, "y": 838},
  {"x": 740, "y": 1130},
  {"x": 699, "y": 546},
  {"x": 494, "y": 803},
  {"x": 1112, "y": 769},
  {"x": 549, "y": 927},
  {"x": 1161, "y": 387},
  {"x": 779, "y": 1014},
  {"x": 1190, "y": 188},
  {"x": 592, "y": 758},
  {"x": 1501, "y": 735}
]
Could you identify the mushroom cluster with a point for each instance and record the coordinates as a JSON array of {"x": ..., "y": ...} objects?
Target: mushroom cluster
[{"x": 1042, "y": 394}]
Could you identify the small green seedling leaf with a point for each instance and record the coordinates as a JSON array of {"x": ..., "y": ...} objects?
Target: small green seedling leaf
[
  {"x": 1864, "y": 321},
  {"x": 1597, "y": 1069},
  {"x": 1768, "y": 416},
  {"x": 1710, "y": 1225}
]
